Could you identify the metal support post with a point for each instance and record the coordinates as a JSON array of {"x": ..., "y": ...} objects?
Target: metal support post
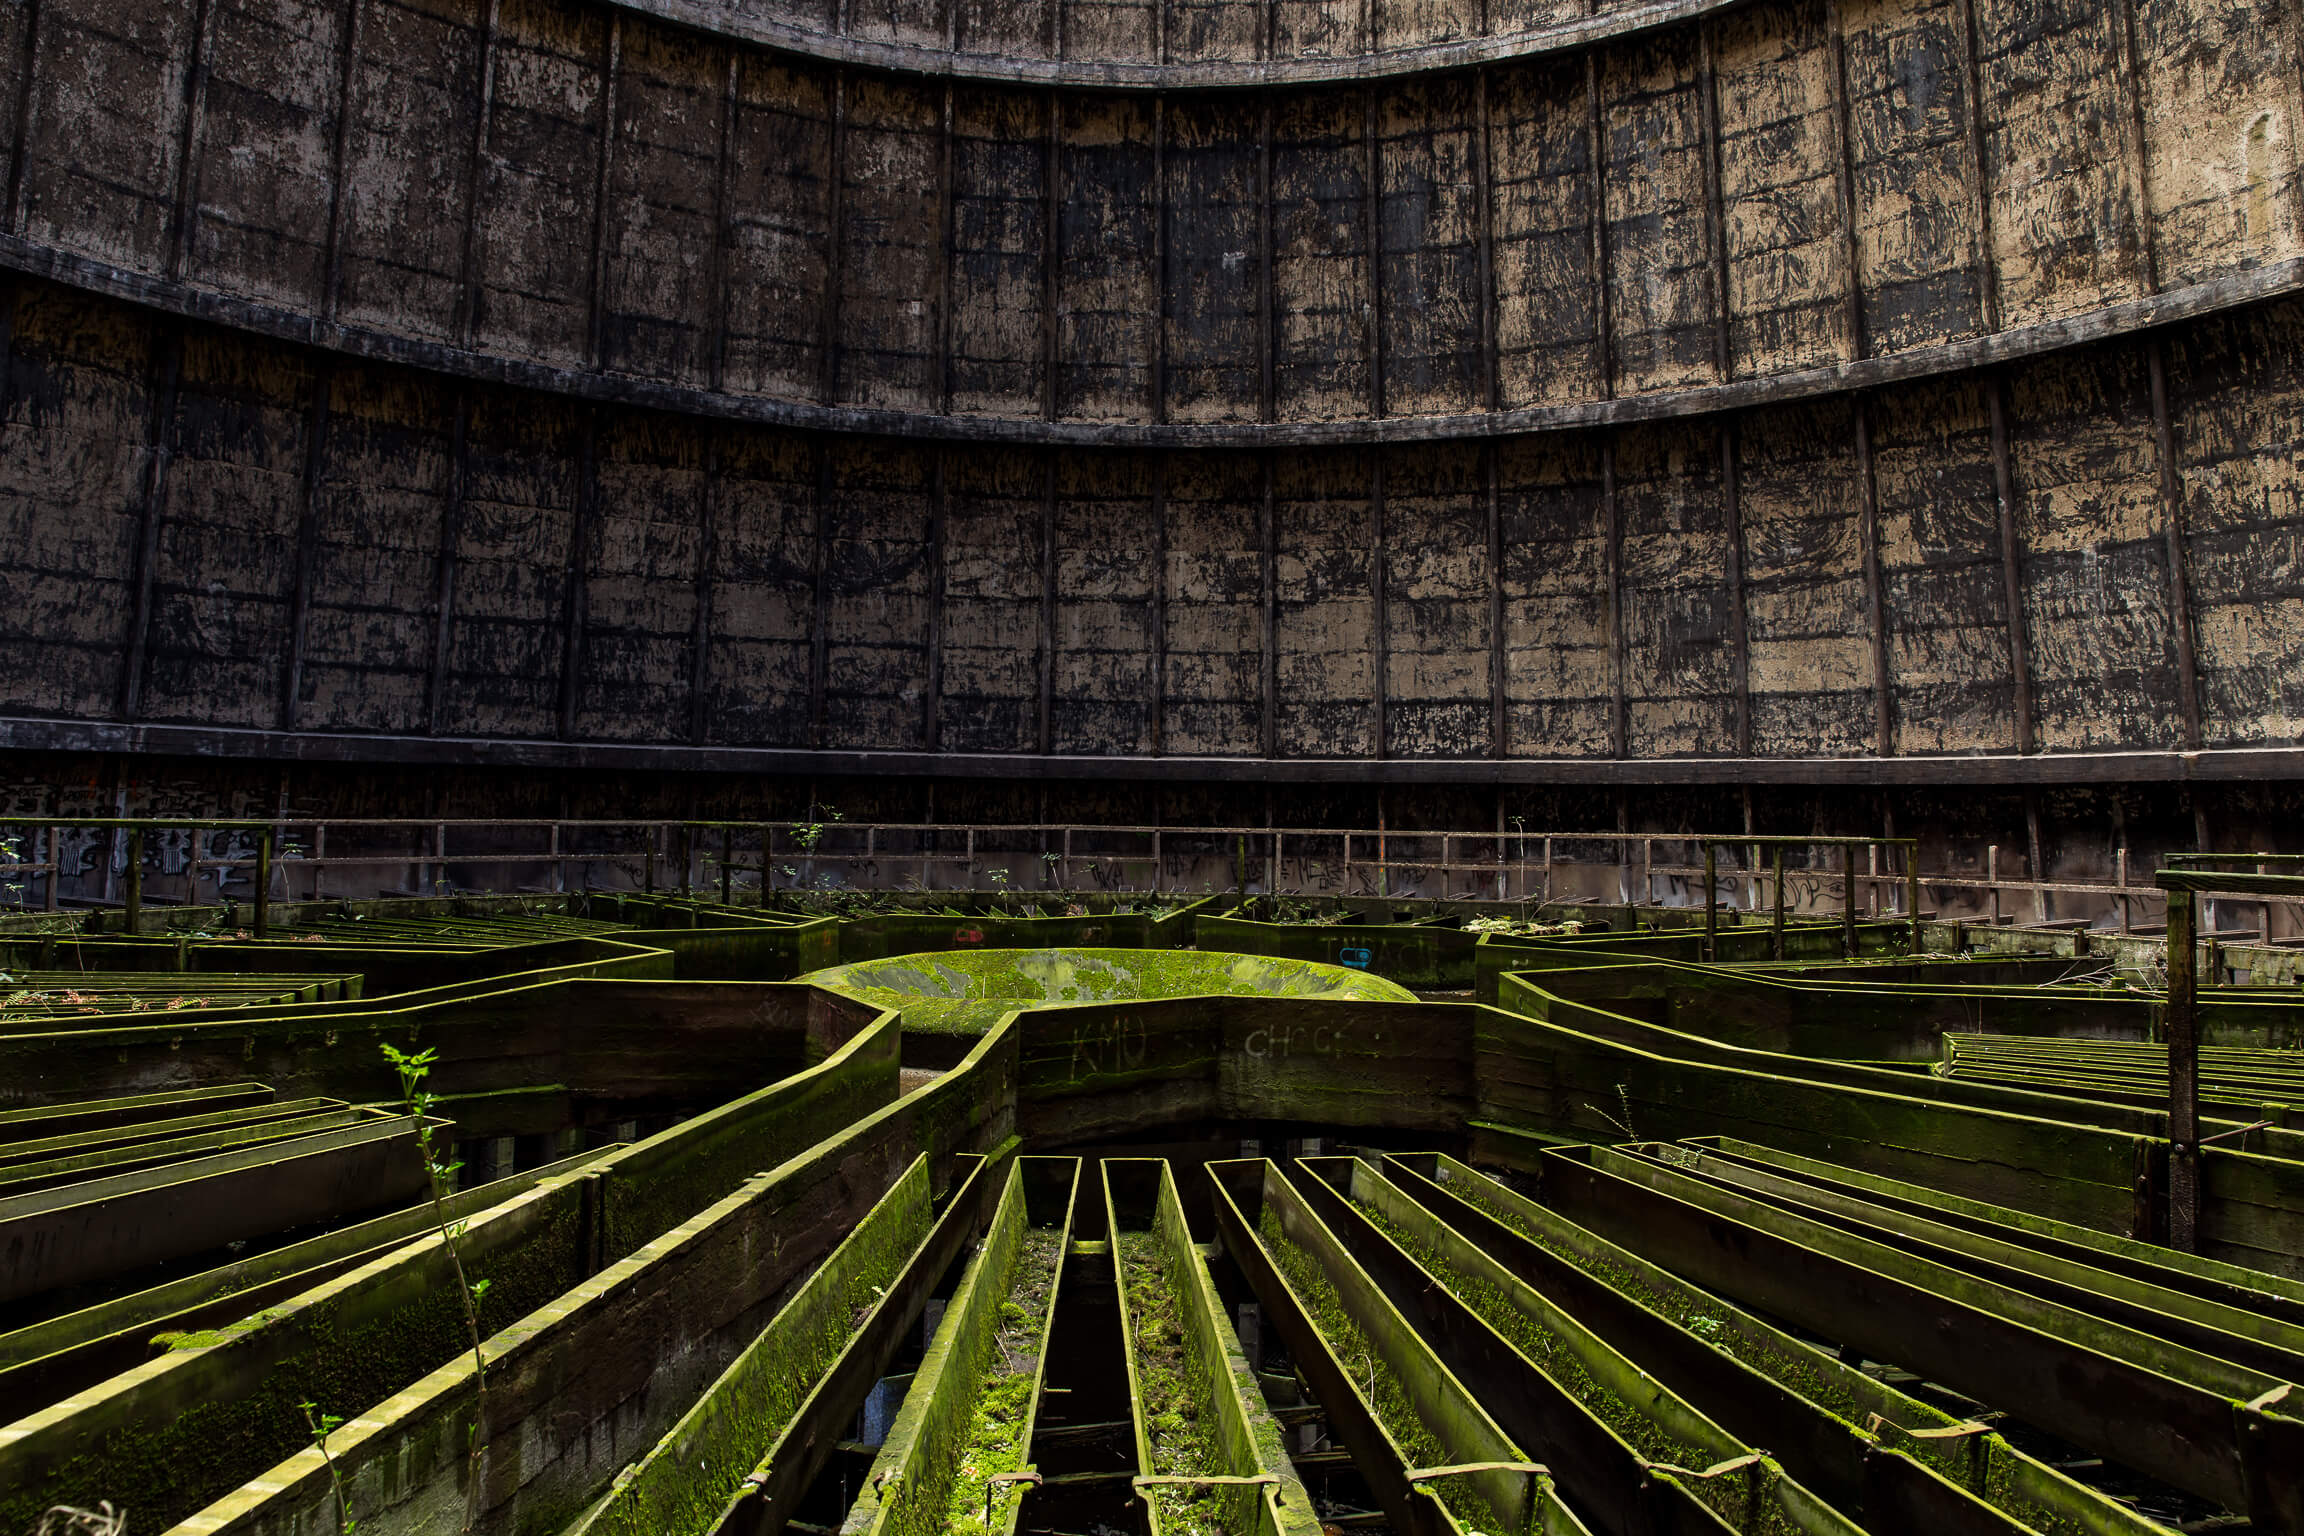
[
  {"x": 1711, "y": 904},
  {"x": 1912, "y": 892},
  {"x": 264, "y": 884},
  {"x": 1848, "y": 901},
  {"x": 1776, "y": 920},
  {"x": 135, "y": 880},
  {"x": 727, "y": 862},
  {"x": 2183, "y": 1077}
]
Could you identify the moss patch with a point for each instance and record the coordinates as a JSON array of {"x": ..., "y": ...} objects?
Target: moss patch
[
  {"x": 1377, "y": 1381},
  {"x": 966, "y": 991},
  {"x": 996, "y": 1439}
]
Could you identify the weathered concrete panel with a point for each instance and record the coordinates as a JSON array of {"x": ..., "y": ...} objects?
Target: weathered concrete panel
[
  {"x": 224, "y": 567},
  {"x": 992, "y": 597},
  {"x": 1102, "y": 691},
  {"x": 1320, "y": 276},
  {"x": 1940, "y": 566},
  {"x": 1215, "y": 320},
  {"x": 1678, "y": 608},
  {"x": 1324, "y": 582},
  {"x": 779, "y": 242},
  {"x": 1547, "y": 288},
  {"x": 263, "y": 175},
  {"x": 919, "y": 22},
  {"x": 408, "y": 165},
  {"x": 891, "y": 245},
  {"x": 1787, "y": 247},
  {"x": 2220, "y": 105},
  {"x": 376, "y": 554},
  {"x": 1214, "y": 620},
  {"x": 1661, "y": 287},
  {"x": 1017, "y": 27},
  {"x": 1436, "y": 602},
  {"x": 763, "y": 589},
  {"x": 1107, "y": 312},
  {"x": 71, "y": 497},
  {"x": 2239, "y": 431},
  {"x": 661, "y": 293},
  {"x": 507, "y": 642},
  {"x": 2064, "y": 215},
  {"x": 1215, "y": 29},
  {"x": 876, "y": 582},
  {"x": 102, "y": 156},
  {"x": 2095, "y": 570},
  {"x": 1125, "y": 30},
  {"x": 999, "y": 240},
  {"x": 1913, "y": 171},
  {"x": 1428, "y": 230},
  {"x": 638, "y": 564},
  {"x": 1558, "y": 688},
  {"x": 1801, "y": 506},
  {"x": 542, "y": 173}
]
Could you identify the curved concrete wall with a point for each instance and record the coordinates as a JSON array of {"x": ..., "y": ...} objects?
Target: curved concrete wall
[
  {"x": 1806, "y": 390},
  {"x": 242, "y": 538},
  {"x": 1715, "y": 208}
]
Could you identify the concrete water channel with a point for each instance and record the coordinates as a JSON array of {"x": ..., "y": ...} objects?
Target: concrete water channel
[{"x": 983, "y": 1217}]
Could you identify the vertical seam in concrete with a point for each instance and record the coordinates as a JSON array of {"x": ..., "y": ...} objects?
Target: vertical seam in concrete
[
  {"x": 2172, "y": 512},
  {"x": 1051, "y": 288},
  {"x": 1379, "y": 588},
  {"x": 307, "y": 540},
  {"x": 1157, "y": 724},
  {"x": 28, "y": 80},
  {"x": 700, "y": 619},
  {"x": 1982, "y": 260},
  {"x": 576, "y": 595},
  {"x": 1484, "y": 229},
  {"x": 159, "y": 429},
  {"x": 2131, "y": 72},
  {"x": 723, "y": 169},
  {"x": 604, "y": 178},
  {"x": 483, "y": 107},
  {"x": 1739, "y": 631},
  {"x": 820, "y": 580},
  {"x": 1612, "y": 515},
  {"x": 1159, "y": 380},
  {"x": 2011, "y": 560},
  {"x": 835, "y": 242},
  {"x": 946, "y": 238},
  {"x": 1270, "y": 580},
  {"x": 451, "y": 534},
  {"x": 1267, "y": 398},
  {"x": 347, "y": 103},
  {"x": 939, "y": 518},
  {"x": 1875, "y": 593},
  {"x": 1499, "y": 724},
  {"x": 1843, "y": 127},
  {"x": 1715, "y": 216},
  {"x": 1048, "y": 602},
  {"x": 1603, "y": 330},
  {"x": 1372, "y": 202},
  {"x": 181, "y": 227}
]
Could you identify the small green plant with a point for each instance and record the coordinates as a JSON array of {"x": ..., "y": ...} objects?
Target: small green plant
[
  {"x": 323, "y": 1425},
  {"x": 413, "y": 1067}
]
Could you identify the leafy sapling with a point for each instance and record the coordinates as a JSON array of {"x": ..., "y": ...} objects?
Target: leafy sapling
[
  {"x": 413, "y": 1067},
  {"x": 323, "y": 1425}
]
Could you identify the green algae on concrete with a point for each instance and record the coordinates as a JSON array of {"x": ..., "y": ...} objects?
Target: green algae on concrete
[{"x": 966, "y": 991}]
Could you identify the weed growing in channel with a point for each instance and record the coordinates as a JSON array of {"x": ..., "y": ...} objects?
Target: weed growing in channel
[{"x": 413, "y": 1067}]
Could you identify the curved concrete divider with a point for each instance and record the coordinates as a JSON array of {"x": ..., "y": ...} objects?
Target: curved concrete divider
[
  {"x": 188, "y": 1426},
  {"x": 1230, "y": 1423},
  {"x": 910, "y": 1486},
  {"x": 591, "y": 1379}
]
